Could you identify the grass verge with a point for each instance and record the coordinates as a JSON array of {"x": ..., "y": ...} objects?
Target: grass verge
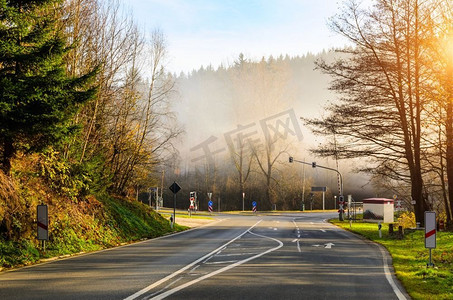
[
  {"x": 108, "y": 222},
  {"x": 410, "y": 258}
]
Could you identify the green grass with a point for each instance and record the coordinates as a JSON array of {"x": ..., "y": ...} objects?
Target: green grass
[
  {"x": 410, "y": 258},
  {"x": 115, "y": 222}
]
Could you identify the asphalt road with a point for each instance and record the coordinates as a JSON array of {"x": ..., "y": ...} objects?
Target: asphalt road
[{"x": 285, "y": 256}]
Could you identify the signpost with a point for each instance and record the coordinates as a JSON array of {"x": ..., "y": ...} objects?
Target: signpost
[
  {"x": 254, "y": 206},
  {"x": 430, "y": 233},
  {"x": 42, "y": 224},
  {"x": 175, "y": 188},
  {"x": 243, "y": 197}
]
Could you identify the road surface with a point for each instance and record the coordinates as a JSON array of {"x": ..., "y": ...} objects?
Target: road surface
[{"x": 278, "y": 256}]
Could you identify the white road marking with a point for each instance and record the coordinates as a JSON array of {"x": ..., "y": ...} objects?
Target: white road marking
[
  {"x": 221, "y": 262},
  {"x": 322, "y": 230},
  {"x": 298, "y": 246},
  {"x": 165, "y": 287},
  {"x": 387, "y": 273},
  {"x": 329, "y": 245},
  {"x": 236, "y": 254},
  {"x": 159, "y": 282},
  {"x": 275, "y": 228},
  {"x": 389, "y": 277},
  {"x": 315, "y": 245},
  {"x": 194, "y": 268},
  {"x": 294, "y": 240},
  {"x": 183, "y": 286}
]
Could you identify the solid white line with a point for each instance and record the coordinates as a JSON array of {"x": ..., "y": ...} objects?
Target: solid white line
[
  {"x": 183, "y": 286},
  {"x": 322, "y": 230},
  {"x": 157, "y": 283},
  {"x": 389, "y": 277},
  {"x": 298, "y": 246},
  {"x": 236, "y": 254},
  {"x": 221, "y": 262},
  {"x": 294, "y": 240},
  {"x": 194, "y": 268}
]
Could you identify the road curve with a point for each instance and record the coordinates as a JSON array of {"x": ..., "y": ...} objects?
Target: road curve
[{"x": 278, "y": 256}]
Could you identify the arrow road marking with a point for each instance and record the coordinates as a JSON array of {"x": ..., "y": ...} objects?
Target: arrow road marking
[{"x": 329, "y": 245}]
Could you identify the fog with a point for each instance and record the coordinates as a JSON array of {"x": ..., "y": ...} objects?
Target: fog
[{"x": 255, "y": 98}]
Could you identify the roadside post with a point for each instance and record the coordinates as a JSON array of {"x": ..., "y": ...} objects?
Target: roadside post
[
  {"x": 210, "y": 203},
  {"x": 42, "y": 224},
  {"x": 430, "y": 234},
  {"x": 379, "y": 228},
  {"x": 175, "y": 189},
  {"x": 254, "y": 206}
]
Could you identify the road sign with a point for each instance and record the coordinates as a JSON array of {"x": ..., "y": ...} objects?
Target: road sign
[
  {"x": 43, "y": 222},
  {"x": 430, "y": 229},
  {"x": 254, "y": 206},
  {"x": 175, "y": 187},
  {"x": 318, "y": 188},
  {"x": 210, "y": 205}
]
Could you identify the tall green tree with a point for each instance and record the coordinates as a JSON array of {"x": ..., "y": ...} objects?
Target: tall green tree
[{"x": 37, "y": 96}]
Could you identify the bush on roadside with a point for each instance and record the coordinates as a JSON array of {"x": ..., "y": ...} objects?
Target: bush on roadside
[{"x": 406, "y": 220}]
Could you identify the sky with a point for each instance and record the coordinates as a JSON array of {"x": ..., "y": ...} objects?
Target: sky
[{"x": 213, "y": 32}]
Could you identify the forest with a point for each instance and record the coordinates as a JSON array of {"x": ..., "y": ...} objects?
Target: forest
[{"x": 88, "y": 110}]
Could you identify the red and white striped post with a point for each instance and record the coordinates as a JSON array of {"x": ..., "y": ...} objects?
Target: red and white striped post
[{"x": 430, "y": 233}]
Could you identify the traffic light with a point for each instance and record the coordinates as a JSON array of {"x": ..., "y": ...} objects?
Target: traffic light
[
  {"x": 313, "y": 164},
  {"x": 341, "y": 199},
  {"x": 290, "y": 159}
]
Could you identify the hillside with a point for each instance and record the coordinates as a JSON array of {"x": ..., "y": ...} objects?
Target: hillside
[{"x": 83, "y": 224}]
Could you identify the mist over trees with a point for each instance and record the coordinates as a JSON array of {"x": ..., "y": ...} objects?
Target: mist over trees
[{"x": 242, "y": 122}]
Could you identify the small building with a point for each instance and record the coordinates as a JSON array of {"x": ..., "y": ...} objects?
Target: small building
[{"x": 378, "y": 210}]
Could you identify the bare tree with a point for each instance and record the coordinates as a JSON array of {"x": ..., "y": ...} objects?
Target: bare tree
[{"x": 382, "y": 80}]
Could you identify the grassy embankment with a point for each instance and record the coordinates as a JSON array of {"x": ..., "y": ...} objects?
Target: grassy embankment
[
  {"x": 102, "y": 223},
  {"x": 410, "y": 258}
]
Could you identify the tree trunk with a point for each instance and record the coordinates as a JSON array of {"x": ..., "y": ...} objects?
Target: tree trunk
[{"x": 8, "y": 153}]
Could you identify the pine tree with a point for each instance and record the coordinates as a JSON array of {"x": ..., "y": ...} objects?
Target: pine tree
[{"x": 37, "y": 97}]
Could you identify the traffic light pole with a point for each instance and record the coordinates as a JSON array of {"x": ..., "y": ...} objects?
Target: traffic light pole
[{"x": 314, "y": 165}]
